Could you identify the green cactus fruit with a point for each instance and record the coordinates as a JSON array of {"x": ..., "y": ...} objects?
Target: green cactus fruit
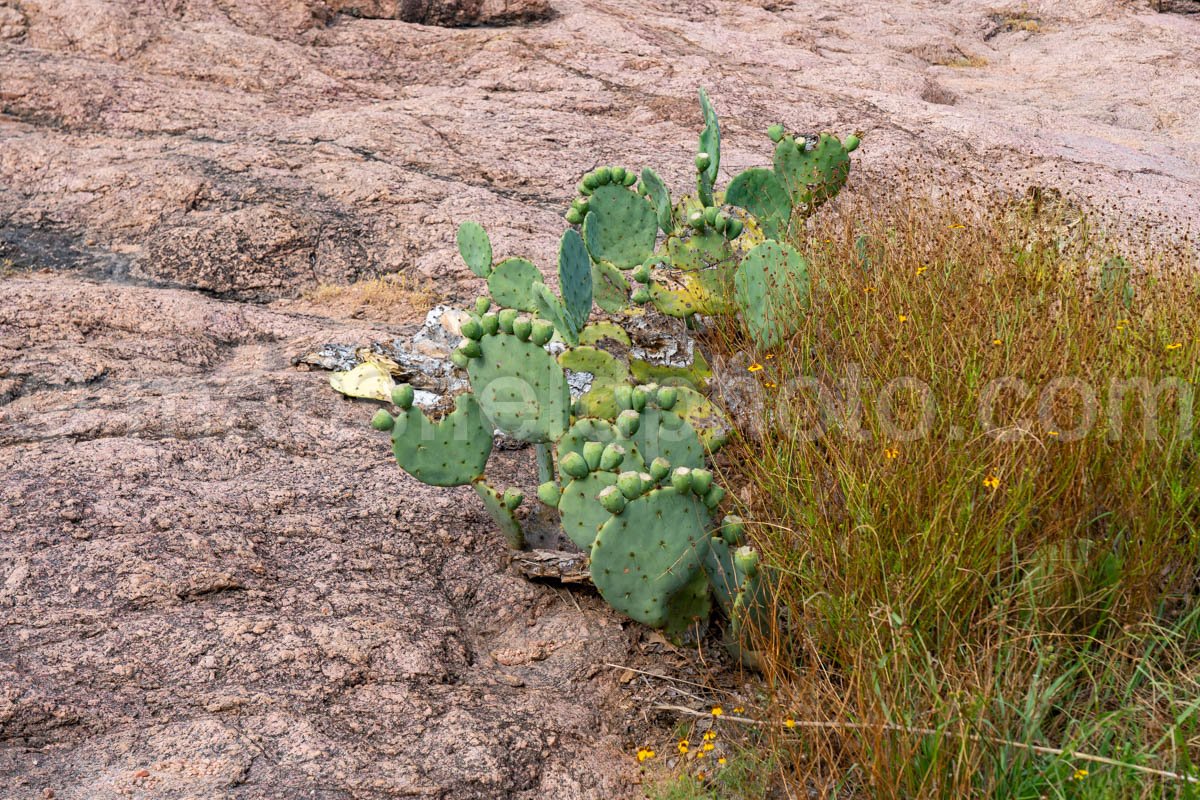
[
  {"x": 640, "y": 296},
  {"x": 541, "y": 332},
  {"x": 549, "y": 493},
  {"x": 472, "y": 329},
  {"x": 575, "y": 278},
  {"x": 574, "y": 465},
  {"x": 710, "y": 215},
  {"x": 507, "y": 317},
  {"x": 581, "y": 205},
  {"x": 580, "y": 510},
  {"x": 623, "y": 397},
  {"x": 690, "y": 606},
  {"x": 591, "y": 454},
  {"x": 659, "y": 468},
  {"x": 630, "y": 484},
  {"x": 618, "y": 175},
  {"x": 713, "y": 497},
  {"x": 734, "y": 229},
  {"x": 450, "y": 452},
  {"x": 573, "y": 216},
  {"x": 490, "y": 324},
  {"x": 603, "y": 175},
  {"x": 620, "y": 228},
  {"x": 610, "y": 289},
  {"x": 402, "y": 396},
  {"x": 656, "y": 190},
  {"x": 733, "y": 529},
  {"x": 590, "y": 182},
  {"x": 459, "y": 359},
  {"x": 521, "y": 388},
  {"x": 511, "y": 284},
  {"x": 641, "y": 273},
  {"x": 702, "y": 161},
  {"x": 701, "y": 481},
  {"x": 681, "y": 479},
  {"x": 746, "y": 560},
  {"x": 482, "y": 304},
  {"x": 761, "y": 193},
  {"x": 553, "y": 310},
  {"x": 589, "y": 429},
  {"x": 771, "y": 285},
  {"x": 637, "y": 398},
  {"x": 475, "y": 248},
  {"x": 721, "y": 222},
  {"x": 583, "y": 188},
  {"x": 498, "y": 508},
  {"x": 612, "y": 501},
  {"x": 522, "y": 328},
  {"x": 470, "y": 348},
  {"x": 382, "y": 421},
  {"x": 851, "y": 143},
  {"x": 696, "y": 220},
  {"x": 667, "y": 397},
  {"x": 512, "y": 498},
  {"x": 710, "y": 143},
  {"x": 649, "y": 551},
  {"x": 775, "y": 132},
  {"x": 813, "y": 174},
  {"x": 630, "y": 178},
  {"x": 611, "y": 457}
]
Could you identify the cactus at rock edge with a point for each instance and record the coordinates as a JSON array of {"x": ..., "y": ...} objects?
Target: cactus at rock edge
[{"x": 452, "y": 451}]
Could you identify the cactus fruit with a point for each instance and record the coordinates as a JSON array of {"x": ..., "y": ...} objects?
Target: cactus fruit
[
  {"x": 771, "y": 284},
  {"x": 450, "y": 452},
  {"x": 475, "y": 248},
  {"x": 620, "y": 226},
  {"x": 549, "y": 493},
  {"x": 501, "y": 509},
  {"x": 761, "y": 193},
  {"x": 776, "y": 132},
  {"x": 520, "y": 386},
  {"x": 649, "y": 551}
]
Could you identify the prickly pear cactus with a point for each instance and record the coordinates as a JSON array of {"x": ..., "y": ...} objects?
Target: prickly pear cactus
[
  {"x": 450, "y": 452},
  {"x": 772, "y": 284},
  {"x": 813, "y": 168}
]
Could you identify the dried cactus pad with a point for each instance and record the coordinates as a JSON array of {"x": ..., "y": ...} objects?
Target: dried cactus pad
[
  {"x": 521, "y": 388},
  {"x": 451, "y": 452},
  {"x": 652, "y": 549}
]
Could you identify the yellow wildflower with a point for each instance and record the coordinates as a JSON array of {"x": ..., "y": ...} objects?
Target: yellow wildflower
[
  {"x": 957, "y": 227},
  {"x": 721, "y": 760},
  {"x": 717, "y": 711},
  {"x": 1174, "y": 346},
  {"x": 738, "y": 709},
  {"x": 868, "y": 289},
  {"x": 644, "y": 754},
  {"x": 710, "y": 735},
  {"x": 1080, "y": 774},
  {"x": 1122, "y": 325},
  {"x": 992, "y": 482},
  {"x": 904, "y": 317},
  {"x": 769, "y": 356},
  {"x": 770, "y": 384},
  {"x": 921, "y": 270},
  {"x": 789, "y": 723},
  {"x": 683, "y": 746},
  {"x": 755, "y": 367},
  {"x": 997, "y": 341},
  {"x": 1052, "y": 433},
  {"x": 891, "y": 452}
]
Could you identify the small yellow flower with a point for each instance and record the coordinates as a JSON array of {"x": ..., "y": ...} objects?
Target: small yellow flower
[
  {"x": 699, "y": 776},
  {"x": 957, "y": 227},
  {"x": 710, "y": 735},
  {"x": 708, "y": 746},
  {"x": 868, "y": 289},
  {"x": 891, "y": 452},
  {"x": 770, "y": 384},
  {"x": 1052, "y": 433},
  {"x": 1080, "y": 774},
  {"x": 992, "y": 482},
  {"x": 904, "y": 317},
  {"x": 721, "y": 760},
  {"x": 922, "y": 270},
  {"x": 738, "y": 709},
  {"x": 789, "y": 723},
  {"x": 1122, "y": 325},
  {"x": 997, "y": 342},
  {"x": 1174, "y": 346},
  {"x": 756, "y": 367},
  {"x": 644, "y": 754},
  {"x": 717, "y": 711},
  {"x": 683, "y": 746},
  {"x": 769, "y": 356}
]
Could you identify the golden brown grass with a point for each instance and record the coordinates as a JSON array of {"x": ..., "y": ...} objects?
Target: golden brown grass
[
  {"x": 1025, "y": 572},
  {"x": 390, "y": 298}
]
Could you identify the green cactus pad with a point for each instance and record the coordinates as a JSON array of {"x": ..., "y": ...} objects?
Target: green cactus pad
[
  {"x": 689, "y": 606},
  {"x": 710, "y": 143},
  {"x": 620, "y": 228},
  {"x": 771, "y": 284},
  {"x": 611, "y": 290},
  {"x": 656, "y": 190},
  {"x": 709, "y": 421},
  {"x": 581, "y": 513},
  {"x": 495, "y": 504},
  {"x": 695, "y": 376},
  {"x": 682, "y": 294},
  {"x": 760, "y": 192},
  {"x": 553, "y": 311},
  {"x": 575, "y": 277},
  {"x": 511, "y": 284},
  {"x": 475, "y": 248},
  {"x": 450, "y": 452},
  {"x": 599, "y": 331},
  {"x": 665, "y": 434},
  {"x": 700, "y": 250},
  {"x": 652, "y": 549},
  {"x": 521, "y": 388},
  {"x": 811, "y": 176},
  {"x": 607, "y": 373}
]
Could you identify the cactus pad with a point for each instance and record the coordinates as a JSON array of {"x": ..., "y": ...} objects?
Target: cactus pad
[
  {"x": 520, "y": 387},
  {"x": 501, "y": 509},
  {"x": 689, "y": 606},
  {"x": 651, "y": 550},
  {"x": 575, "y": 277},
  {"x": 598, "y": 331},
  {"x": 553, "y": 310},
  {"x": 760, "y": 192},
  {"x": 450, "y": 452},
  {"x": 620, "y": 227},
  {"x": 607, "y": 373},
  {"x": 511, "y": 284},
  {"x": 580, "y": 511},
  {"x": 812, "y": 169},
  {"x": 475, "y": 248},
  {"x": 657, "y": 192},
  {"x": 710, "y": 144},
  {"x": 610, "y": 287},
  {"x": 772, "y": 284}
]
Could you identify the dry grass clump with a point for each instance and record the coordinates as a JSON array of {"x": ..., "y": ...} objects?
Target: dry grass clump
[
  {"x": 977, "y": 476},
  {"x": 391, "y": 298}
]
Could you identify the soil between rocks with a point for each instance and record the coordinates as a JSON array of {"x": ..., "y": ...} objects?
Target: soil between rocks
[{"x": 214, "y": 582}]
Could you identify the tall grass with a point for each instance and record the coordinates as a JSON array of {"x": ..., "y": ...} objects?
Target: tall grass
[{"x": 981, "y": 541}]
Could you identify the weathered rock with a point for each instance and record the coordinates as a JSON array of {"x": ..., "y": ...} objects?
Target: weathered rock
[{"x": 451, "y": 13}]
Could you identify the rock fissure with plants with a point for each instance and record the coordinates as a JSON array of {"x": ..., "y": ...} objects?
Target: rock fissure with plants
[{"x": 624, "y": 465}]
